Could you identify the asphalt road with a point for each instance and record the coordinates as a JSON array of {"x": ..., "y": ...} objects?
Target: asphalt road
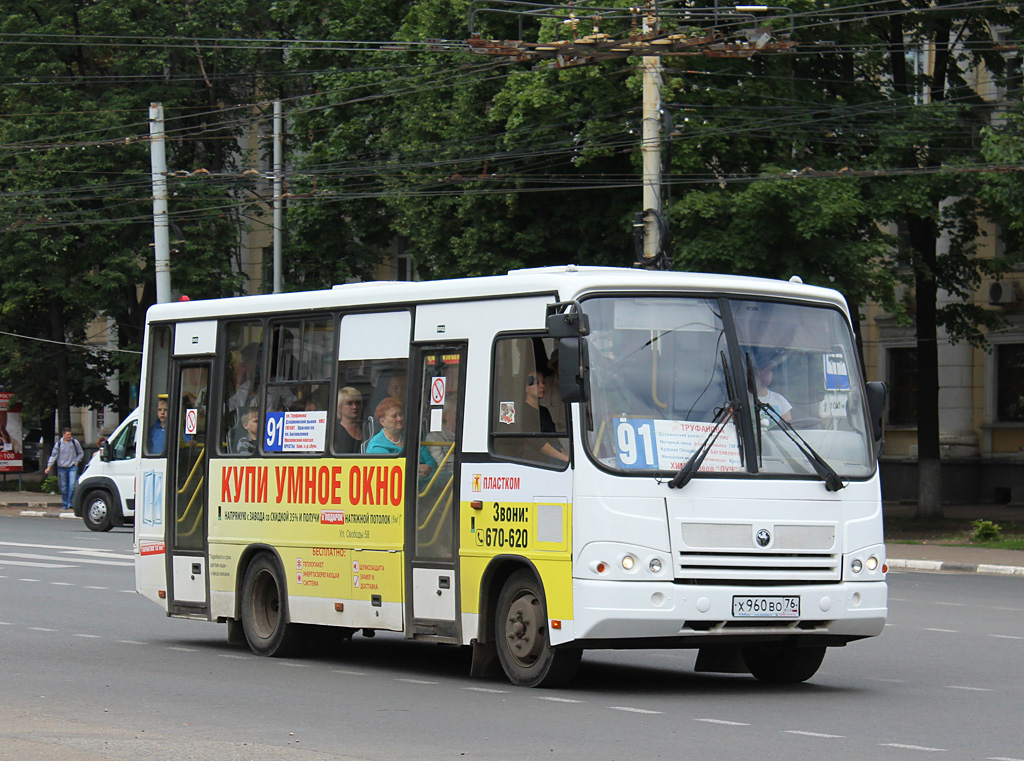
[{"x": 89, "y": 670}]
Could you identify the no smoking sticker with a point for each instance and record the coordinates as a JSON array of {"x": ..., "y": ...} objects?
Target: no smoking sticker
[{"x": 191, "y": 416}]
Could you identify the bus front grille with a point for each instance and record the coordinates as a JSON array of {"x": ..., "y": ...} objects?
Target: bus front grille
[{"x": 758, "y": 568}]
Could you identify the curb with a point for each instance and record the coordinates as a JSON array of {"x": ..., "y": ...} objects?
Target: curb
[
  {"x": 47, "y": 514},
  {"x": 945, "y": 565}
]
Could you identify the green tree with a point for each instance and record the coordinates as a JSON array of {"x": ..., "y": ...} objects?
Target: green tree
[{"x": 76, "y": 81}]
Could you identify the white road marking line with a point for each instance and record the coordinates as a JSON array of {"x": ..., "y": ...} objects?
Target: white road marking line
[
  {"x": 6, "y": 623},
  {"x": 62, "y": 583},
  {"x": 881, "y": 679},
  {"x": 1005, "y": 636},
  {"x": 416, "y": 681},
  {"x": 972, "y": 689},
  {"x": 723, "y": 721},
  {"x": 182, "y": 649},
  {"x": 346, "y": 672},
  {"x": 31, "y": 581},
  {"x": 485, "y": 689},
  {"x": 106, "y": 554},
  {"x": 1003, "y": 758},
  {"x": 41, "y": 546},
  {"x": 943, "y": 631},
  {"x": 231, "y": 655},
  {"x": 912, "y": 747},
  {"x": 89, "y": 636},
  {"x": 130, "y": 642},
  {"x": 633, "y": 710},
  {"x": 41, "y": 629},
  {"x": 34, "y": 556},
  {"x": 1012, "y": 610},
  {"x": 813, "y": 734},
  {"x": 291, "y": 665},
  {"x": 951, "y": 604},
  {"x": 558, "y": 700},
  {"x": 95, "y": 587}
]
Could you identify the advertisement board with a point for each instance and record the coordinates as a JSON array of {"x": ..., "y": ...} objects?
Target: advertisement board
[{"x": 10, "y": 434}]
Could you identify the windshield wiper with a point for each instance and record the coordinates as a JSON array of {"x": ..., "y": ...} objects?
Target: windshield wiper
[
  {"x": 722, "y": 417},
  {"x": 832, "y": 480}
]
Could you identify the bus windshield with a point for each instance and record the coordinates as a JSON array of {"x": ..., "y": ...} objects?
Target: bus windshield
[{"x": 663, "y": 370}]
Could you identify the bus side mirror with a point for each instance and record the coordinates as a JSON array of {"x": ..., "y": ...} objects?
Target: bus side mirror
[
  {"x": 568, "y": 328},
  {"x": 876, "y": 393},
  {"x": 573, "y": 369}
]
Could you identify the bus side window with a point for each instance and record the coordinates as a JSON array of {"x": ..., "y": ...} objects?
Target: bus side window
[
  {"x": 362, "y": 386},
  {"x": 300, "y": 366},
  {"x": 522, "y": 424},
  {"x": 241, "y": 380},
  {"x": 155, "y": 427}
]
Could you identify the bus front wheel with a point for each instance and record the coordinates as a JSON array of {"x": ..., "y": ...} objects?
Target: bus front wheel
[
  {"x": 782, "y": 662},
  {"x": 521, "y": 635},
  {"x": 264, "y": 609}
]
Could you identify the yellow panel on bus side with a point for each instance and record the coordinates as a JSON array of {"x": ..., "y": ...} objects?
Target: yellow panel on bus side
[{"x": 538, "y": 531}]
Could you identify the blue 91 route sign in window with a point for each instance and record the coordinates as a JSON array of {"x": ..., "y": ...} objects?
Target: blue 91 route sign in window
[
  {"x": 295, "y": 431},
  {"x": 274, "y": 441},
  {"x": 635, "y": 444}
]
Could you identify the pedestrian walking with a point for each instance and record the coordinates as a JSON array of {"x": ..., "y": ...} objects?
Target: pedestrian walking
[{"x": 67, "y": 454}]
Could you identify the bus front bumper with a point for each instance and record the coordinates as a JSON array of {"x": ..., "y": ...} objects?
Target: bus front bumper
[{"x": 617, "y": 610}]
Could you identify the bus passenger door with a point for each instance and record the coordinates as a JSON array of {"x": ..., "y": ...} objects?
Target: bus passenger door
[
  {"x": 432, "y": 485},
  {"x": 187, "y": 478}
]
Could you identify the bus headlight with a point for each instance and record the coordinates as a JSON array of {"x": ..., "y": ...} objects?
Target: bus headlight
[
  {"x": 872, "y": 563},
  {"x": 628, "y": 561},
  {"x": 856, "y": 565},
  {"x": 655, "y": 565}
]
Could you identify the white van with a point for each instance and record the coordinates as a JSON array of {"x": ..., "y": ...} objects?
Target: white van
[{"x": 105, "y": 495}]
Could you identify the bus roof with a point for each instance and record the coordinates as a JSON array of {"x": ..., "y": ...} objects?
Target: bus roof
[{"x": 566, "y": 281}]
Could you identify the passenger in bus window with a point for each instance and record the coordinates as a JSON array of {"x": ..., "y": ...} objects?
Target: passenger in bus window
[
  {"x": 247, "y": 384},
  {"x": 348, "y": 434},
  {"x": 391, "y": 438},
  {"x": 535, "y": 389},
  {"x": 779, "y": 403},
  {"x": 250, "y": 424},
  {"x": 158, "y": 431}
]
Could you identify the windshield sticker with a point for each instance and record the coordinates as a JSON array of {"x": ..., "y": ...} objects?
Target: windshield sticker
[
  {"x": 507, "y": 413},
  {"x": 648, "y": 444}
]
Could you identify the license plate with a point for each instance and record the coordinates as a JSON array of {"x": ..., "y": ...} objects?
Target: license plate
[{"x": 766, "y": 607}]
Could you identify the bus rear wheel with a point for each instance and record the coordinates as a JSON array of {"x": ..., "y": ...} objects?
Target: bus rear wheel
[
  {"x": 265, "y": 609},
  {"x": 521, "y": 635},
  {"x": 783, "y": 662}
]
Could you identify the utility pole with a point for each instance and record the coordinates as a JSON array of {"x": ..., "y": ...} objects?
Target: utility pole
[
  {"x": 161, "y": 231},
  {"x": 278, "y": 190},
  {"x": 650, "y": 146}
]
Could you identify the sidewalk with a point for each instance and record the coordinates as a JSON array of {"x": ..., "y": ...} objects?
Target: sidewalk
[{"x": 921, "y": 556}]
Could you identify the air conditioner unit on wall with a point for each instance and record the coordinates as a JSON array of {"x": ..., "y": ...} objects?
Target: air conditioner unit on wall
[{"x": 1003, "y": 292}]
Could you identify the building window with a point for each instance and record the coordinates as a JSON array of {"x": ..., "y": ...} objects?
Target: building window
[
  {"x": 902, "y": 386},
  {"x": 1010, "y": 383}
]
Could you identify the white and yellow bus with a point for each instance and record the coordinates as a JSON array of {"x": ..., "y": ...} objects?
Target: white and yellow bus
[{"x": 531, "y": 464}]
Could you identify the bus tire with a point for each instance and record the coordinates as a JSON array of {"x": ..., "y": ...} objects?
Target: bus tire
[
  {"x": 96, "y": 509},
  {"x": 521, "y": 636},
  {"x": 265, "y": 609},
  {"x": 782, "y": 662}
]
